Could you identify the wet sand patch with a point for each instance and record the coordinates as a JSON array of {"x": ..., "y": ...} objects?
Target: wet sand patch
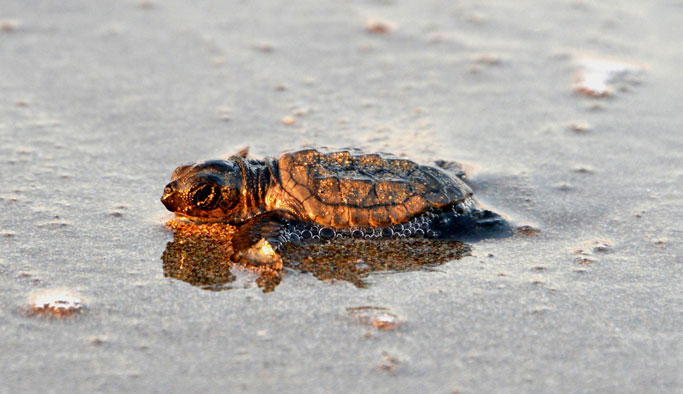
[{"x": 201, "y": 254}]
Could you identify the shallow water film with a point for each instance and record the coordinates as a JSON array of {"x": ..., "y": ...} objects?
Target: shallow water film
[
  {"x": 202, "y": 254},
  {"x": 564, "y": 114}
]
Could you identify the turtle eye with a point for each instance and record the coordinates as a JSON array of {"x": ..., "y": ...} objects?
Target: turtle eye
[{"x": 206, "y": 196}]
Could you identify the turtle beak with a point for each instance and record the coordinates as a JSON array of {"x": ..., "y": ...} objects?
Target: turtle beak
[{"x": 170, "y": 198}]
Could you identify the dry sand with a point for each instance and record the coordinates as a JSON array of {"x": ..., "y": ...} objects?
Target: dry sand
[{"x": 568, "y": 114}]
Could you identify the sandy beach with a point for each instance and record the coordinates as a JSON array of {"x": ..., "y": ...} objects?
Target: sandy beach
[{"x": 565, "y": 114}]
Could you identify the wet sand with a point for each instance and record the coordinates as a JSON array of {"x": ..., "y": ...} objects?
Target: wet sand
[{"x": 566, "y": 115}]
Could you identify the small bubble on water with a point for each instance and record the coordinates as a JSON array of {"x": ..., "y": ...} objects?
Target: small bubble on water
[{"x": 326, "y": 233}]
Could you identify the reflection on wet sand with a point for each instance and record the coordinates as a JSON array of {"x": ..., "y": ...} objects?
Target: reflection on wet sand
[{"x": 200, "y": 254}]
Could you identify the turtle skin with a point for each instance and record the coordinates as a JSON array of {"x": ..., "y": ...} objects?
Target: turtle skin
[{"x": 325, "y": 193}]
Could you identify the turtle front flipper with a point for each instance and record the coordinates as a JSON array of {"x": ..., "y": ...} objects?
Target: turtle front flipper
[
  {"x": 474, "y": 225},
  {"x": 257, "y": 241}
]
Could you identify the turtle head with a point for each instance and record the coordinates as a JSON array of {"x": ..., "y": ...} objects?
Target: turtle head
[{"x": 208, "y": 189}]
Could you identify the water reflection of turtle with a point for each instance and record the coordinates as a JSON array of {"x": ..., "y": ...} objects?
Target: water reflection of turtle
[
  {"x": 201, "y": 254},
  {"x": 320, "y": 193}
]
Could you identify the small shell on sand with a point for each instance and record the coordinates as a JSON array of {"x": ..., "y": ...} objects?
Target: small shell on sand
[
  {"x": 379, "y": 26},
  {"x": 57, "y": 303},
  {"x": 595, "y": 75},
  {"x": 377, "y": 317}
]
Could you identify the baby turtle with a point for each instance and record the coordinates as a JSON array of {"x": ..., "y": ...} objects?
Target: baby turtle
[{"x": 321, "y": 193}]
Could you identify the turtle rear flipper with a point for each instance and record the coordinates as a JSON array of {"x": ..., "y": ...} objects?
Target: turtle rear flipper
[
  {"x": 475, "y": 225},
  {"x": 452, "y": 167},
  {"x": 258, "y": 240},
  {"x": 243, "y": 153}
]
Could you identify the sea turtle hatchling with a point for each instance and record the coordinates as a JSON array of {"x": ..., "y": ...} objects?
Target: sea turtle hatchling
[{"x": 322, "y": 193}]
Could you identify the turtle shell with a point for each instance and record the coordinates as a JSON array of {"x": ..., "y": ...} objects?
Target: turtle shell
[{"x": 349, "y": 188}]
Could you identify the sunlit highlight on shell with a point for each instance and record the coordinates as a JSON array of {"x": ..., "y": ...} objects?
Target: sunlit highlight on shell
[
  {"x": 58, "y": 303},
  {"x": 595, "y": 75},
  {"x": 266, "y": 249},
  {"x": 263, "y": 253}
]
